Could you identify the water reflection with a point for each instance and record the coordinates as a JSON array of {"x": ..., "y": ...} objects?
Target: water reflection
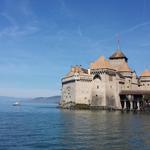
[
  {"x": 105, "y": 130},
  {"x": 43, "y": 126}
]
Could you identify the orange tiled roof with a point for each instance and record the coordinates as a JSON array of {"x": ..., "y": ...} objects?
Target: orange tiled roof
[
  {"x": 77, "y": 69},
  {"x": 101, "y": 63},
  {"x": 124, "y": 68},
  {"x": 146, "y": 73}
]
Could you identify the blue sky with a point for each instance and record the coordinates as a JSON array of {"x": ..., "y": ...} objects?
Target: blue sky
[{"x": 41, "y": 39}]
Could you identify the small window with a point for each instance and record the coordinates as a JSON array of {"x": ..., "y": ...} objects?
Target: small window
[
  {"x": 110, "y": 78},
  {"x": 96, "y": 95},
  {"x": 97, "y": 86},
  {"x": 127, "y": 86}
]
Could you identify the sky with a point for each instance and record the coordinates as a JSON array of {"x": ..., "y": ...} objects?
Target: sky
[{"x": 41, "y": 39}]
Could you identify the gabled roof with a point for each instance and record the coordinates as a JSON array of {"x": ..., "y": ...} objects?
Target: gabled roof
[
  {"x": 146, "y": 73},
  {"x": 101, "y": 63},
  {"x": 117, "y": 55},
  {"x": 124, "y": 68},
  {"x": 77, "y": 69}
]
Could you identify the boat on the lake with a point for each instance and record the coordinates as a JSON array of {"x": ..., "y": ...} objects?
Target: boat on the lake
[{"x": 16, "y": 104}]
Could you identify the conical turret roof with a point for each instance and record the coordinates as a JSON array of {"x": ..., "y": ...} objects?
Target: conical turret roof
[
  {"x": 117, "y": 55},
  {"x": 145, "y": 73}
]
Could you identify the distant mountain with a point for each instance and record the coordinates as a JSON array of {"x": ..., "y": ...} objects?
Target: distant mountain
[{"x": 53, "y": 99}]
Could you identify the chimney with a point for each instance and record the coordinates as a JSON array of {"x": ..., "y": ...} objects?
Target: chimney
[{"x": 89, "y": 72}]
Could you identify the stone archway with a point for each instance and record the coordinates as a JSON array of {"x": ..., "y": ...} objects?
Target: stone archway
[{"x": 97, "y": 76}]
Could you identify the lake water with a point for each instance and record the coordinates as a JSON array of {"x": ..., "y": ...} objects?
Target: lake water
[{"x": 42, "y": 126}]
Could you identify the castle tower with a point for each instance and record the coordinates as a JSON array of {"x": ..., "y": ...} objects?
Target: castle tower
[
  {"x": 117, "y": 59},
  {"x": 103, "y": 87},
  {"x": 145, "y": 80}
]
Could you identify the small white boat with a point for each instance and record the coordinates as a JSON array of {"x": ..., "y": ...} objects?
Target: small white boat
[{"x": 16, "y": 104}]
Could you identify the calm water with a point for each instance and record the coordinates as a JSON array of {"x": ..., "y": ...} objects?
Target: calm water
[{"x": 37, "y": 126}]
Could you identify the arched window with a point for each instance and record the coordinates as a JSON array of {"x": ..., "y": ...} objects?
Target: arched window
[{"x": 97, "y": 77}]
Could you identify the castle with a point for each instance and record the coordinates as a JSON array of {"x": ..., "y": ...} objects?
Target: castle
[{"x": 106, "y": 84}]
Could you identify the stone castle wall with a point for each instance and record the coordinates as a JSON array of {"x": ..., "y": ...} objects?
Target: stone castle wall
[{"x": 101, "y": 87}]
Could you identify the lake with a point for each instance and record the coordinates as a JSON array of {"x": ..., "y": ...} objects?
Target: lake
[{"x": 42, "y": 126}]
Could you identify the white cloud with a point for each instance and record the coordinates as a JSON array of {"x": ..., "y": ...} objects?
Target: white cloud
[
  {"x": 80, "y": 31},
  {"x": 20, "y": 22},
  {"x": 65, "y": 9},
  {"x": 135, "y": 27}
]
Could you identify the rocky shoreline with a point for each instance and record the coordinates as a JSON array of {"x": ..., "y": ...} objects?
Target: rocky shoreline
[{"x": 74, "y": 106}]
